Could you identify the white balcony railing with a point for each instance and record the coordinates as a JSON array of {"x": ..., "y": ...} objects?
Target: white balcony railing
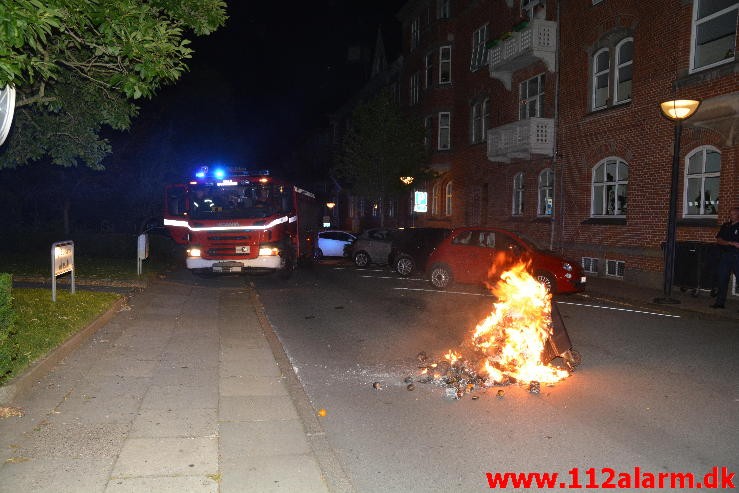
[
  {"x": 521, "y": 139},
  {"x": 538, "y": 41}
]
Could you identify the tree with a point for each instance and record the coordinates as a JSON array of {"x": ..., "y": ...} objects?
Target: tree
[
  {"x": 382, "y": 145},
  {"x": 79, "y": 66}
]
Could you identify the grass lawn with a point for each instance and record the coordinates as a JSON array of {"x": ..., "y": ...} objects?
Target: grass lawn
[{"x": 42, "y": 325}]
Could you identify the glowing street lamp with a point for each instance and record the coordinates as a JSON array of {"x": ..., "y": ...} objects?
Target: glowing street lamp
[
  {"x": 677, "y": 111},
  {"x": 407, "y": 180}
]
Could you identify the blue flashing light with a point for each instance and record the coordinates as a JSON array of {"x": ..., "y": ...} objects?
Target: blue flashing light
[
  {"x": 200, "y": 174},
  {"x": 219, "y": 174}
]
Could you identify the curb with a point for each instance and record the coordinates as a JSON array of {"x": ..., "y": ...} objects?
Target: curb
[
  {"x": 336, "y": 478},
  {"x": 131, "y": 283},
  {"x": 22, "y": 383}
]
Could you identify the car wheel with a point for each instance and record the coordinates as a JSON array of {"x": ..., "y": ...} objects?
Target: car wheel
[
  {"x": 547, "y": 280},
  {"x": 317, "y": 253},
  {"x": 287, "y": 265},
  {"x": 361, "y": 259},
  {"x": 440, "y": 276},
  {"x": 404, "y": 265}
]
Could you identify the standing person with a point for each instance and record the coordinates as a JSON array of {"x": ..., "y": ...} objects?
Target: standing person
[{"x": 728, "y": 241}]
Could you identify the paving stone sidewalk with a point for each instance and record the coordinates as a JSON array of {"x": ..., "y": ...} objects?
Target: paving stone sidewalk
[{"x": 185, "y": 389}]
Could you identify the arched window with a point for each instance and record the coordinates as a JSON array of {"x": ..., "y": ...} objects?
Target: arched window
[
  {"x": 610, "y": 188},
  {"x": 546, "y": 193},
  {"x": 702, "y": 179},
  {"x": 448, "y": 199},
  {"x": 624, "y": 62},
  {"x": 517, "y": 208},
  {"x": 601, "y": 74}
]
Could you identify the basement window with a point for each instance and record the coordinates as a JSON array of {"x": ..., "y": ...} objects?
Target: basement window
[{"x": 615, "y": 268}]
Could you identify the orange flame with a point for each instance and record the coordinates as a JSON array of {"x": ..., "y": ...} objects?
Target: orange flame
[{"x": 513, "y": 336}]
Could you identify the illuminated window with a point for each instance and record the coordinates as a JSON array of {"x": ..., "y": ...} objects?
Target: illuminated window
[
  {"x": 702, "y": 179},
  {"x": 448, "y": 199}
]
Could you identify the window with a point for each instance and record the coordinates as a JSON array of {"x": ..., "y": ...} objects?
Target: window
[
  {"x": 624, "y": 62},
  {"x": 429, "y": 77},
  {"x": 590, "y": 265},
  {"x": 601, "y": 71},
  {"x": 714, "y": 32},
  {"x": 702, "y": 178},
  {"x": 442, "y": 9},
  {"x": 610, "y": 186},
  {"x": 436, "y": 199},
  {"x": 479, "y": 38},
  {"x": 444, "y": 131},
  {"x": 533, "y": 9},
  {"x": 414, "y": 89},
  {"x": 448, "y": 199},
  {"x": 532, "y": 97},
  {"x": 415, "y": 32},
  {"x": 546, "y": 193},
  {"x": 428, "y": 124},
  {"x": 445, "y": 65},
  {"x": 615, "y": 268},
  {"x": 479, "y": 125},
  {"x": 517, "y": 194}
]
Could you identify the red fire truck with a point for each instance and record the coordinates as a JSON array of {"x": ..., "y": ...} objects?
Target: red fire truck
[{"x": 236, "y": 220}]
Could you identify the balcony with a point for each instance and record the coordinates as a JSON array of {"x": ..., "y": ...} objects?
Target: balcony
[
  {"x": 521, "y": 139},
  {"x": 536, "y": 42}
]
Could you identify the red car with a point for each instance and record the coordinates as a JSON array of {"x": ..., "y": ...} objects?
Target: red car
[{"x": 467, "y": 255}]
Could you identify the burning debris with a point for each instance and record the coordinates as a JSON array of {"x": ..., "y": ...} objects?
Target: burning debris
[{"x": 514, "y": 344}]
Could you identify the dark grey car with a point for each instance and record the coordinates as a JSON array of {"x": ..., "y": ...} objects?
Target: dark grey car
[{"x": 373, "y": 247}]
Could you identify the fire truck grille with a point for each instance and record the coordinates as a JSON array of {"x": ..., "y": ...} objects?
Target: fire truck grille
[
  {"x": 228, "y": 238},
  {"x": 225, "y": 252}
]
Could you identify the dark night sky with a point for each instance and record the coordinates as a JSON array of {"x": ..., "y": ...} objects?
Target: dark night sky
[{"x": 265, "y": 80}]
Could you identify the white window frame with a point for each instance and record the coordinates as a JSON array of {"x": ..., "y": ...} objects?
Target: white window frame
[
  {"x": 597, "y": 74},
  {"x": 697, "y": 24},
  {"x": 526, "y": 99},
  {"x": 415, "y": 82},
  {"x": 445, "y": 65},
  {"x": 545, "y": 204},
  {"x": 620, "y": 66},
  {"x": 708, "y": 206},
  {"x": 436, "y": 199},
  {"x": 528, "y": 8},
  {"x": 589, "y": 265},
  {"x": 518, "y": 190},
  {"x": 615, "y": 268},
  {"x": 480, "y": 113},
  {"x": 603, "y": 185},
  {"x": 415, "y": 32},
  {"x": 479, "y": 38},
  {"x": 428, "y": 70},
  {"x": 448, "y": 199},
  {"x": 444, "y": 141}
]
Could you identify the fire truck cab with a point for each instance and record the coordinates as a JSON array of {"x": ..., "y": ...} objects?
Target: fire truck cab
[{"x": 237, "y": 220}]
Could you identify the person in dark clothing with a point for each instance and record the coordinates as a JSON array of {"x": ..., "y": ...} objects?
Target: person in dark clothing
[{"x": 727, "y": 239}]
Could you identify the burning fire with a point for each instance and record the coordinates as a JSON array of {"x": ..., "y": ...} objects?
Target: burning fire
[{"x": 512, "y": 338}]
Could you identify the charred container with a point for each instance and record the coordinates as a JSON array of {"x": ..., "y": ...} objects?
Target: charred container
[{"x": 559, "y": 345}]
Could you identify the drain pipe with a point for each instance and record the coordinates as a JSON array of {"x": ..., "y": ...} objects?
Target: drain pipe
[{"x": 558, "y": 180}]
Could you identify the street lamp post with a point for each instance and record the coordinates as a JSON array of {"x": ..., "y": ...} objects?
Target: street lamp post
[{"x": 677, "y": 111}]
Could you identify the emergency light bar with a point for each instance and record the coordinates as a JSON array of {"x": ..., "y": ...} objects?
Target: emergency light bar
[{"x": 222, "y": 173}]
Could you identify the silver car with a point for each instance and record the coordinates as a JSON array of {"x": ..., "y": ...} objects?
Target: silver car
[{"x": 373, "y": 247}]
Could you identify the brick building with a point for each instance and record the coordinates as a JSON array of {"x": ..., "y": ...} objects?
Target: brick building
[{"x": 543, "y": 117}]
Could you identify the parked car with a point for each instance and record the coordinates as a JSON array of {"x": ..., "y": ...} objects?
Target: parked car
[
  {"x": 467, "y": 255},
  {"x": 332, "y": 243},
  {"x": 411, "y": 248},
  {"x": 372, "y": 247}
]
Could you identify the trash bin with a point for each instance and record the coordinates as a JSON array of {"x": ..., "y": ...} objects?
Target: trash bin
[
  {"x": 695, "y": 266},
  {"x": 559, "y": 344}
]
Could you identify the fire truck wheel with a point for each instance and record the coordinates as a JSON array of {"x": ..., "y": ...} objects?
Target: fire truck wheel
[
  {"x": 361, "y": 259},
  {"x": 573, "y": 358},
  {"x": 288, "y": 265},
  {"x": 440, "y": 276},
  {"x": 317, "y": 254}
]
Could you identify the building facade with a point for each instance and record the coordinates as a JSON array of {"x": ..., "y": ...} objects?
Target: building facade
[{"x": 543, "y": 117}]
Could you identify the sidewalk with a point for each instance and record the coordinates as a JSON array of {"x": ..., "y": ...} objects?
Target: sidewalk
[
  {"x": 185, "y": 389},
  {"x": 638, "y": 296}
]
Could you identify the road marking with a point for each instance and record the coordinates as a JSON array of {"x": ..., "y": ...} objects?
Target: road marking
[
  {"x": 446, "y": 292},
  {"x": 658, "y": 314}
]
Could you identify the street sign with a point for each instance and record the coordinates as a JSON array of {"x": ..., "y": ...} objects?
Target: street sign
[
  {"x": 420, "y": 202},
  {"x": 62, "y": 261}
]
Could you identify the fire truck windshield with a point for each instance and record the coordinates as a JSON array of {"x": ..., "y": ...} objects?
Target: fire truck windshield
[{"x": 252, "y": 201}]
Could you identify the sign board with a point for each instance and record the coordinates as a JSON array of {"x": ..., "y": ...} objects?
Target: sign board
[
  {"x": 420, "y": 202},
  {"x": 62, "y": 261},
  {"x": 142, "y": 251}
]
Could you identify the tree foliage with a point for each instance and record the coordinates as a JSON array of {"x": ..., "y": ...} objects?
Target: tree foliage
[
  {"x": 381, "y": 146},
  {"x": 80, "y": 65}
]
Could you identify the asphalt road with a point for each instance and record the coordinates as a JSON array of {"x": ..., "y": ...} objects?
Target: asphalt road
[{"x": 656, "y": 393}]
